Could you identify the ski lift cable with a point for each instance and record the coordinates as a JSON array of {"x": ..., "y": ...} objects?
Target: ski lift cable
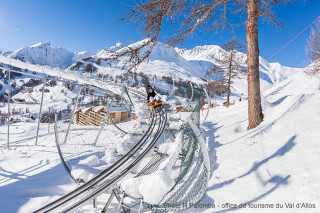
[{"x": 293, "y": 38}]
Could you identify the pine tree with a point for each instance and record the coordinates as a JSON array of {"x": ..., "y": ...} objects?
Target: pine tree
[
  {"x": 229, "y": 65},
  {"x": 313, "y": 50},
  {"x": 194, "y": 15}
]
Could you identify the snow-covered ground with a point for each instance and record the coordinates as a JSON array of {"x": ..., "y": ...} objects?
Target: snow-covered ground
[
  {"x": 275, "y": 163},
  {"x": 31, "y": 176}
]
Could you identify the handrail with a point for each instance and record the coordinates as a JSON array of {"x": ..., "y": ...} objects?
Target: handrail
[
  {"x": 194, "y": 171},
  {"x": 202, "y": 143},
  {"x": 59, "y": 150},
  {"x": 114, "y": 124}
]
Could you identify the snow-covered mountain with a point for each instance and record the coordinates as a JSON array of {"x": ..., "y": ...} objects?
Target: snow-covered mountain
[
  {"x": 179, "y": 64},
  {"x": 42, "y": 53},
  {"x": 190, "y": 65},
  {"x": 270, "y": 73}
]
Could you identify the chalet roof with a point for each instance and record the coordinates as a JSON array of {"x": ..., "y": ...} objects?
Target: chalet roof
[
  {"x": 84, "y": 110},
  {"x": 78, "y": 110},
  {"x": 99, "y": 108}
]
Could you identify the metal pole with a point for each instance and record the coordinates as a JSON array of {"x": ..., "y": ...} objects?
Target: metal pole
[
  {"x": 104, "y": 210},
  {"x": 121, "y": 202},
  {"x": 154, "y": 82},
  {"x": 104, "y": 120},
  {"x": 173, "y": 87},
  {"x": 191, "y": 91},
  {"x": 49, "y": 121},
  {"x": 72, "y": 115},
  {"x": 9, "y": 90},
  {"x": 140, "y": 206},
  {"x": 126, "y": 91},
  {"x": 95, "y": 203},
  {"x": 40, "y": 111},
  {"x": 208, "y": 107}
]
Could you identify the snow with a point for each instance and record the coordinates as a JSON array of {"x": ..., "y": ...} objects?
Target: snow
[
  {"x": 277, "y": 162},
  {"x": 125, "y": 145},
  {"x": 145, "y": 187},
  {"x": 31, "y": 176},
  {"x": 141, "y": 110},
  {"x": 190, "y": 65},
  {"x": 43, "y": 54},
  {"x": 175, "y": 125},
  {"x": 270, "y": 73}
]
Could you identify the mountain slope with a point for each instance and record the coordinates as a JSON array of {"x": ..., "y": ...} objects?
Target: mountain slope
[
  {"x": 186, "y": 65},
  {"x": 43, "y": 54},
  {"x": 270, "y": 73},
  {"x": 277, "y": 162}
]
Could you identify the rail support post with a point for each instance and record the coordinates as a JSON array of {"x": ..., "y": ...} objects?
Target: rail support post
[
  {"x": 104, "y": 120},
  {"x": 104, "y": 210},
  {"x": 72, "y": 116},
  {"x": 95, "y": 203},
  {"x": 9, "y": 91},
  {"x": 121, "y": 202},
  {"x": 40, "y": 111},
  {"x": 140, "y": 206}
]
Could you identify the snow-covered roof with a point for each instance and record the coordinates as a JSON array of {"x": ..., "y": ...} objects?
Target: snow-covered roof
[
  {"x": 84, "y": 110},
  {"x": 98, "y": 108},
  {"x": 78, "y": 110},
  {"x": 26, "y": 97}
]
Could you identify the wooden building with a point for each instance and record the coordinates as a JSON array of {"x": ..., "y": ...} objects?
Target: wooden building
[
  {"x": 95, "y": 116},
  {"x": 182, "y": 109},
  {"x": 211, "y": 106}
]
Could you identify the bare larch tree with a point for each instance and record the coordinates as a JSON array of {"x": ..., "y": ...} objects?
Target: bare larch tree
[
  {"x": 313, "y": 50},
  {"x": 229, "y": 64},
  {"x": 151, "y": 15}
]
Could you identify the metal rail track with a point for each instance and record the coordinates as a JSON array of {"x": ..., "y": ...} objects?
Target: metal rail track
[{"x": 113, "y": 174}]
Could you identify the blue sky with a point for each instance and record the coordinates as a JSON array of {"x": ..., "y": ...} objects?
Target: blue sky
[{"x": 79, "y": 25}]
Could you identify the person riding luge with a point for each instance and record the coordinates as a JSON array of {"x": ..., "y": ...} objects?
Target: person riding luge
[{"x": 154, "y": 100}]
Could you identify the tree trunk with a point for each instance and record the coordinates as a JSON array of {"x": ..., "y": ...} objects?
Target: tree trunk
[
  {"x": 229, "y": 80},
  {"x": 254, "y": 99}
]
